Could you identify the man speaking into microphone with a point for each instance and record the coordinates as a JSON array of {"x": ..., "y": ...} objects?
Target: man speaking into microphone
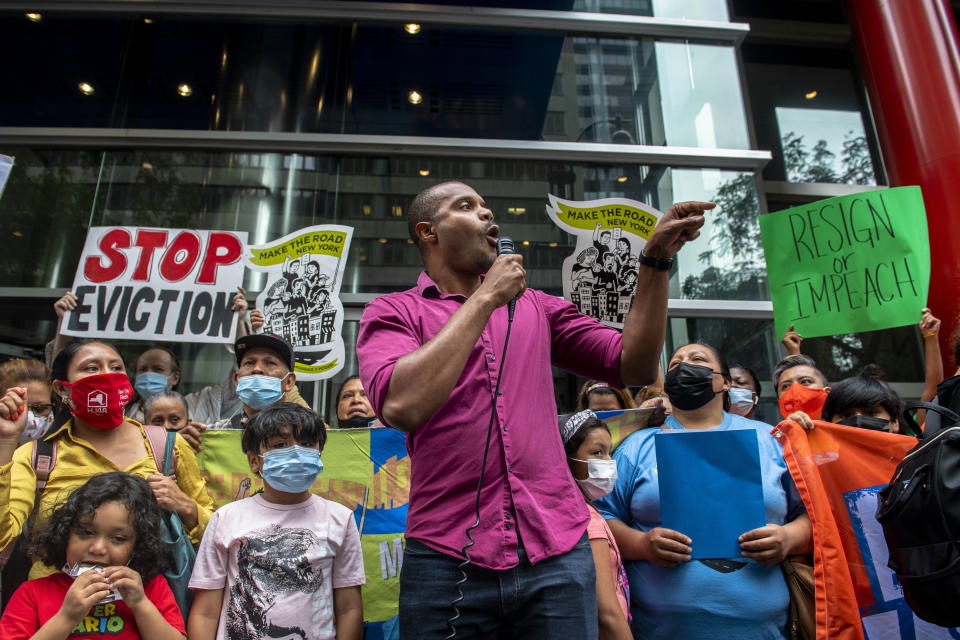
[{"x": 433, "y": 362}]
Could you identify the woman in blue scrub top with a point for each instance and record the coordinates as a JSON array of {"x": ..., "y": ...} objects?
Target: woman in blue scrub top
[{"x": 672, "y": 596}]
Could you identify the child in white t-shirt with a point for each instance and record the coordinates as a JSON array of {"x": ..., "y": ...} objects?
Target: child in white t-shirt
[{"x": 284, "y": 563}]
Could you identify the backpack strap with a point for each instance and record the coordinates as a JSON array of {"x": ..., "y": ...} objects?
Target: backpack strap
[
  {"x": 949, "y": 417},
  {"x": 161, "y": 446},
  {"x": 42, "y": 459}
]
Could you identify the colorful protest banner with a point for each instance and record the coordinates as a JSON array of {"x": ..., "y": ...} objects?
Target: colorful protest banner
[
  {"x": 6, "y": 166},
  {"x": 366, "y": 470},
  {"x": 139, "y": 283},
  {"x": 848, "y": 264},
  {"x": 838, "y": 472},
  {"x": 301, "y": 300},
  {"x": 623, "y": 422},
  {"x": 600, "y": 276}
]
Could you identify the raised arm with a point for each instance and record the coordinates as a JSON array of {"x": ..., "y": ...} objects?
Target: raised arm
[
  {"x": 67, "y": 303},
  {"x": 13, "y": 420},
  {"x": 422, "y": 380},
  {"x": 645, "y": 327},
  {"x": 933, "y": 362},
  {"x": 791, "y": 342},
  {"x": 17, "y": 479},
  {"x": 239, "y": 307}
]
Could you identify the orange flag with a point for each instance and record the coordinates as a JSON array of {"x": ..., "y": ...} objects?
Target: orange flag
[{"x": 838, "y": 471}]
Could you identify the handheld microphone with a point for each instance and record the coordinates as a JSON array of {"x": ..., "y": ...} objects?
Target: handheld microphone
[{"x": 505, "y": 247}]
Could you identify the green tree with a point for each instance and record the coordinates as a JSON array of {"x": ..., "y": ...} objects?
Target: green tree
[
  {"x": 857, "y": 166},
  {"x": 820, "y": 167},
  {"x": 735, "y": 266},
  {"x": 795, "y": 156},
  {"x": 817, "y": 164}
]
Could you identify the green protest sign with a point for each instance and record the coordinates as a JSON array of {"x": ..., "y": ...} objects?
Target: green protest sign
[{"x": 848, "y": 264}]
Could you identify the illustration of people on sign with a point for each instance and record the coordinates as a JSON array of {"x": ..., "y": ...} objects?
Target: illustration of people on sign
[
  {"x": 301, "y": 299},
  {"x": 604, "y": 276},
  {"x": 602, "y": 241},
  {"x": 600, "y": 277},
  {"x": 586, "y": 268},
  {"x": 622, "y": 251},
  {"x": 298, "y": 305},
  {"x": 608, "y": 279}
]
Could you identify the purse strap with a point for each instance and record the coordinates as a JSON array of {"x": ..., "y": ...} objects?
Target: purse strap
[
  {"x": 162, "y": 446},
  {"x": 169, "y": 455}
]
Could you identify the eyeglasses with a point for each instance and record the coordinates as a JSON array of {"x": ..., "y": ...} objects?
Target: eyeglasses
[{"x": 41, "y": 409}]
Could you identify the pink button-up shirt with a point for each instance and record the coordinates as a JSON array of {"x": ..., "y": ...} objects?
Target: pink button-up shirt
[{"x": 527, "y": 487}]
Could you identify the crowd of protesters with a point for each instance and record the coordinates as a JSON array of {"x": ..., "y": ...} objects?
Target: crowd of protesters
[{"x": 570, "y": 519}]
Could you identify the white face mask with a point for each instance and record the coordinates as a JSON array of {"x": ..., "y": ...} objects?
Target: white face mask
[
  {"x": 36, "y": 426},
  {"x": 601, "y": 477},
  {"x": 741, "y": 401}
]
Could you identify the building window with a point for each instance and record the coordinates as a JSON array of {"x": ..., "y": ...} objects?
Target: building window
[{"x": 809, "y": 110}]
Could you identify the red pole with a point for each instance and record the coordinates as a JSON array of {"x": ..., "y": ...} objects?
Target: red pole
[{"x": 909, "y": 56}]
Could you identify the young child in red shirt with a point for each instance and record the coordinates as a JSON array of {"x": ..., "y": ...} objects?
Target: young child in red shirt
[{"x": 106, "y": 536}]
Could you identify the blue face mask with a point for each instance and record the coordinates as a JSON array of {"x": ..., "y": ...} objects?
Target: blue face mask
[
  {"x": 258, "y": 391},
  {"x": 149, "y": 383},
  {"x": 291, "y": 469}
]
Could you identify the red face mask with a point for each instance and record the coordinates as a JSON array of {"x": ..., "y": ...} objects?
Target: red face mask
[
  {"x": 99, "y": 400},
  {"x": 801, "y": 398}
]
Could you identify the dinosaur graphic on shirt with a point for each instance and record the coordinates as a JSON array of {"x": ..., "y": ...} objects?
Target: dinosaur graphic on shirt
[{"x": 271, "y": 563}]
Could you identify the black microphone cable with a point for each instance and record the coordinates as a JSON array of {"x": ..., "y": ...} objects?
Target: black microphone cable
[{"x": 504, "y": 246}]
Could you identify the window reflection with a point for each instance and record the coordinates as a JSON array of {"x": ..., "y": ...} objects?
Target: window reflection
[
  {"x": 726, "y": 261},
  {"x": 809, "y": 109},
  {"x": 316, "y": 77},
  {"x": 700, "y": 90},
  {"x": 899, "y": 352},
  {"x": 647, "y": 92},
  {"x": 690, "y": 9},
  {"x": 269, "y": 195},
  {"x": 824, "y": 145}
]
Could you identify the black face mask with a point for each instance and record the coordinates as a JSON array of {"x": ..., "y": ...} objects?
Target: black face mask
[
  {"x": 356, "y": 422},
  {"x": 689, "y": 386},
  {"x": 866, "y": 422}
]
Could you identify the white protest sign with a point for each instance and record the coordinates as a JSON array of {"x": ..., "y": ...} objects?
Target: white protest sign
[
  {"x": 301, "y": 300},
  {"x": 140, "y": 283},
  {"x": 600, "y": 277}
]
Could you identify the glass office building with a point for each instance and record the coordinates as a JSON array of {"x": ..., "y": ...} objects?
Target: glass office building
[{"x": 272, "y": 116}]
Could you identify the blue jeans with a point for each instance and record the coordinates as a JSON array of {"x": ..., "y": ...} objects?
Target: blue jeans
[{"x": 553, "y": 599}]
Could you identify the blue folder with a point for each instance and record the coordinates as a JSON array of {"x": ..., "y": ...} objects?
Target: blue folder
[{"x": 710, "y": 488}]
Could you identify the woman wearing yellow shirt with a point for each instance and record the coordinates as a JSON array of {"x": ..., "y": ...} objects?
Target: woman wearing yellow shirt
[{"x": 92, "y": 437}]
